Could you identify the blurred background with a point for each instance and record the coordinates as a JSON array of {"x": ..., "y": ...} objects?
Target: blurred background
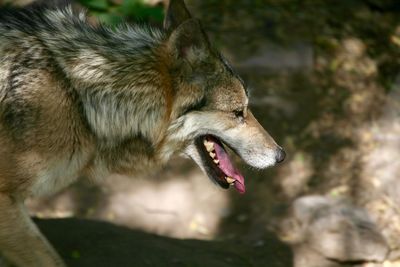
[{"x": 324, "y": 78}]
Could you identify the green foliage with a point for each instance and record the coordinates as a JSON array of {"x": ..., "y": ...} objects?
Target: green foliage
[
  {"x": 114, "y": 12},
  {"x": 75, "y": 254}
]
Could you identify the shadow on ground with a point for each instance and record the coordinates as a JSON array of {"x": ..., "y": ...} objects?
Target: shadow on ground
[{"x": 93, "y": 243}]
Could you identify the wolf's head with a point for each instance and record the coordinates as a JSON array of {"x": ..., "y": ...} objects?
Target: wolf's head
[{"x": 211, "y": 105}]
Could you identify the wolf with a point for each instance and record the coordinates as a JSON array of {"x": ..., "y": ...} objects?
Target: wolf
[{"x": 78, "y": 100}]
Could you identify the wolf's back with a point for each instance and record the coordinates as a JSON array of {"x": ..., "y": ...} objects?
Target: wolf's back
[
  {"x": 13, "y": 31},
  {"x": 5, "y": 66},
  {"x": 3, "y": 79}
]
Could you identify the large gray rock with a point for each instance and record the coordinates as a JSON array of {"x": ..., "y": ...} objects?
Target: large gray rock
[{"x": 328, "y": 232}]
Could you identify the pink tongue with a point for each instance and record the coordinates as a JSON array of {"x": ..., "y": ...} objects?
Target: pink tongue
[{"x": 227, "y": 167}]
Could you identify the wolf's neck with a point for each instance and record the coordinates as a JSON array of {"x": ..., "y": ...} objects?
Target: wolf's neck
[{"x": 120, "y": 76}]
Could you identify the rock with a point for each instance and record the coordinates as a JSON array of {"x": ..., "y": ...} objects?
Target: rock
[{"x": 333, "y": 230}]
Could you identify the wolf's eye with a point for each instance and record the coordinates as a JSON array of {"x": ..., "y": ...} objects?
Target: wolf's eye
[{"x": 239, "y": 114}]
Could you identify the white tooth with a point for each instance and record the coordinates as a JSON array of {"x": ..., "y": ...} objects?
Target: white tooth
[
  {"x": 230, "y": 180},
  {"x": 209, "y": 146},
  {"x": 212, "y": 155},
  {"x": 216, "y": 161}
]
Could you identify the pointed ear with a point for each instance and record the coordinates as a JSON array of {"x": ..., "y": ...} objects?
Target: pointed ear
[
  {"x": 177, "y": 13},
  {"x": 189, "y": 41}
]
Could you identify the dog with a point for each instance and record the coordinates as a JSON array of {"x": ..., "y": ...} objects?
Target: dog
[{"x": 81, "y": 100}]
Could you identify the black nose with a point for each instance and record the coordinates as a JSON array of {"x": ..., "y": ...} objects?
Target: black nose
[{"x": 280, "y": 155}]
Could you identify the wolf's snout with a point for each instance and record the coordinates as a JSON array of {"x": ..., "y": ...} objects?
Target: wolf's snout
[{"x": 280, "y": 155}]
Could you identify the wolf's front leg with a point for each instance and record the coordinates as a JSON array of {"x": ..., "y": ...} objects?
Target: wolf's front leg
[{"x": 20, "y": 240}]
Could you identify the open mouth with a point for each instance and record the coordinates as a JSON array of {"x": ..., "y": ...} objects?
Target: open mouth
[{"x": 217, "y": 163}]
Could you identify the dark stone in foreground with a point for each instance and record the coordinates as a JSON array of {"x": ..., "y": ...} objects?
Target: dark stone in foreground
[{"x": 92, "y": 243}]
